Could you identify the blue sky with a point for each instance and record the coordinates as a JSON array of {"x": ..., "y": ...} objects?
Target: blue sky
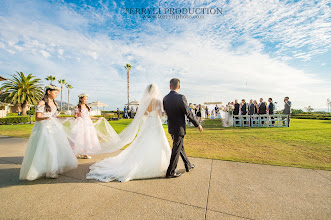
[{"x": 254, "y": 49}]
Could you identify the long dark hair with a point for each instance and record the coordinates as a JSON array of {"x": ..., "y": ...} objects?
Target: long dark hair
[
  {"x": 45, "y": 99},
  {"x": 80, "y": 105}
]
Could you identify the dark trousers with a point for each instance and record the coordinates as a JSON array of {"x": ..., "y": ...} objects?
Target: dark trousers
[
  {"x": 288, "y": 125},
  {"x": 273, "y": 122},
  {"x": 177, "y": 149}
]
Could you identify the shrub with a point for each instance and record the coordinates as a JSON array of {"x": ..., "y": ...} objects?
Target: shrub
[
  {"x": 65, "y": 116},
  {"x": 14, "y": 120},
  {"x": 12, "y": 114},
  {"x": 296, "y": 111},
  {"x": 32, "y": 110},
  {"x": 107, "y": 117},
  {"x": 312, "y": 116}
]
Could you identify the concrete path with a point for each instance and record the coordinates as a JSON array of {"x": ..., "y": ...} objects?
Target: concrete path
[{"x": 213, "y": 190}]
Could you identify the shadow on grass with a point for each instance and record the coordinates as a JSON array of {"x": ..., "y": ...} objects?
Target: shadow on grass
[{"x": 326, "y": 121}]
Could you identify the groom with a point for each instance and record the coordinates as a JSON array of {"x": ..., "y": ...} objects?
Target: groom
[{"x": 175, "y": 105}]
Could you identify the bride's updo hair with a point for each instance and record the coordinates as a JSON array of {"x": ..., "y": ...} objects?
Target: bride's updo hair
[{"x": 151, "y": 89}]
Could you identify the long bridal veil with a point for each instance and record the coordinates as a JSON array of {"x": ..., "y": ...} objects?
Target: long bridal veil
[{"x": 111, "y": 142}]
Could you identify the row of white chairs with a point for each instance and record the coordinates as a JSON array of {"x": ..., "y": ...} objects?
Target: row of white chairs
[{"x": 266, "y": 120}]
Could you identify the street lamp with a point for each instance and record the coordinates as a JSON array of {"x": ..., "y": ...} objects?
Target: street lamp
[{"x": 128, "y": 68}]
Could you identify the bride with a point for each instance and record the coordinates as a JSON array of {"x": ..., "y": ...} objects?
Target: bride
[{"x": 148, "y": 153}]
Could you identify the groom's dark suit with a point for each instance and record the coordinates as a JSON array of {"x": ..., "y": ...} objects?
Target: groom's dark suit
[{"x": 175, "y": 105}]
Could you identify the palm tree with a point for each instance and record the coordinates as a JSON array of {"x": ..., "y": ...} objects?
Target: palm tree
[
  {"x": 50, "y": 78},
  {"x": 68, "y": 86},
  {"x": 62, "y": 82},
  {"x": 128, "y": 68},
  {"x": 23, "y": 90}
]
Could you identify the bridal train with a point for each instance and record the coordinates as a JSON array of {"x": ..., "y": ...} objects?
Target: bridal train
[{"x": 148, "y": 153}]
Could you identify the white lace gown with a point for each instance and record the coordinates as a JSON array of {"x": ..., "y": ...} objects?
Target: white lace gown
[
  {"x": 83, "y": 134},
  {"x": 147, "y": 156},
  {"x": 48, "y": 151}
]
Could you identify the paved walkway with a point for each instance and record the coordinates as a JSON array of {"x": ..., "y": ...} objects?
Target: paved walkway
[{"x": 213, "y": 190}]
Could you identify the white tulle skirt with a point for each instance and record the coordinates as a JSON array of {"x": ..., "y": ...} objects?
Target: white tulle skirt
[
  {"x": 48, "y": 151},
  {"x": 147, "y": 156},
  {"x": 84, "y": 138}
]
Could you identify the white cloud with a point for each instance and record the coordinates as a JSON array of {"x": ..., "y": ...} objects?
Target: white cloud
[
  {"x": 60, "y": 51},
  {"x": 45, "y": 53},
  {"x": 219, "y": 58}
]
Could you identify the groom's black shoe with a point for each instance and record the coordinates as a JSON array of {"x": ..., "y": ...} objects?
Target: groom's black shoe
[
  {"x": 188, "y": 169},
  {"x": 175, "y": 175}
]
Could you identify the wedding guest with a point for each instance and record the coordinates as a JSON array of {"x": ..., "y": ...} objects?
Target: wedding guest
[
  {"x": 243, "y": 107},
  {"x": 271, "y": 108},
  {"x": 199, "y": 113},
  {"x": 236, "y": 107},
  {"x": 256, "y": 109},
  {"x": 131, "y": 112},
  {"x": 287, "y": 108},
  {"x": 125, "y": 112},
  {"x": 251, "y": 107},
  {"x": 118, "y": 113},
  {"x": 227, "y": 107},
  {"x": 195, "y": 109},
  {"x": 206, "y": 112},
  {"x": 212, "y": 115},
  {"x": 262, "y": 109},
  {"x": 216, "y": 109}
]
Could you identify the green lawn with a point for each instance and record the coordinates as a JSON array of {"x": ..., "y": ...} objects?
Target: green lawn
[{"x": 306, "y": 144}]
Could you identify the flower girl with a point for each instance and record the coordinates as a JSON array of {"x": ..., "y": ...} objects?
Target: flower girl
[
  {"x": 83, "y": 133},
  {"x": 48, "y": 153}
]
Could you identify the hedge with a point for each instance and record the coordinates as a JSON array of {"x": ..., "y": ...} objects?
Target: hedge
[
  {"x": 66, "y": 116},
  {"x": 108, "y": 116},
  {"x": 12, "y": 114},
  {"x": 317, "y": 116},
  {"x": 14, "y": 120}
]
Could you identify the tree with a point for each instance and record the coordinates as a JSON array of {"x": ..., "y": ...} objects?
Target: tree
[
  {"x": 50, "y": 78},
  {"x": 68, "y": 86},
  {"x": 128, "y": 68},
  {"x": 23, "y": 90},
  {"x": 328, "y": 103},
  {"x": 309, "y": 109},
  {"x": 62, "y": 82},
  {"x": 296, "y": 111}
]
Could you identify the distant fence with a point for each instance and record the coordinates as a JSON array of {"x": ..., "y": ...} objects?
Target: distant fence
[{"x": 278, "y": 120}]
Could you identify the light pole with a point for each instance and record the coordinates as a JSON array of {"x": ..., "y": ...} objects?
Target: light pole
[{"x": 128, "y": 68}]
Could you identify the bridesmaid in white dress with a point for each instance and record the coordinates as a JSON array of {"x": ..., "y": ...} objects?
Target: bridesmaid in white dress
[
  {"x": 83, "y": 133},
  {"x": 148, "y": 154},
  {"x": 49, "y": 152}
]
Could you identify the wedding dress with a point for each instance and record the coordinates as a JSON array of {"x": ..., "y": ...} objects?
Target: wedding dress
[
  {"x": 84, "y": 134},
  {"x": 49, "y": 152},
  {"x": 148, "y": 153}
]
